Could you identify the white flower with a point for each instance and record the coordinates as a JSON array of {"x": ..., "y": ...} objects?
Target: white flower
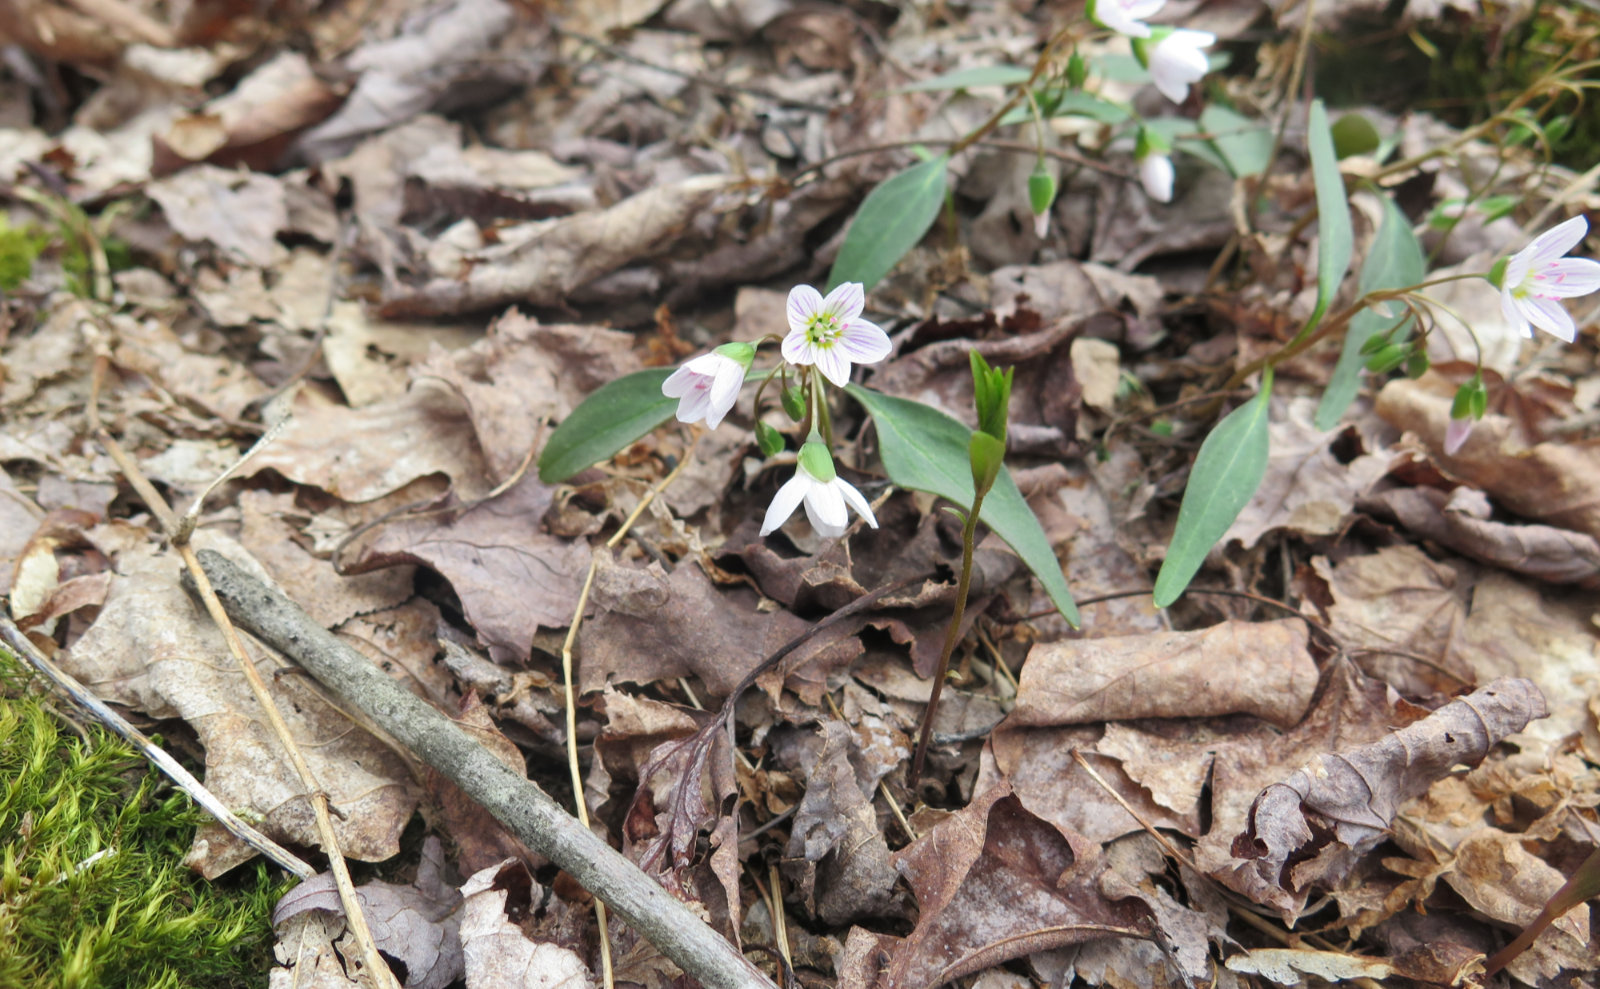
[
  {"x": 1126, "y": 16},
  {"x": 824, "y": 493},
  {"x": 1539, "y": 274},
  {"x": 1179, "y": 59},
  {"x": 1156, "y": 175},
  {"x": 707, "y": 386},
  {"x": 830, "y": 333}
]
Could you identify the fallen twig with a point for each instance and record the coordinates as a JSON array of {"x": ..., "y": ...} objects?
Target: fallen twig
[
  {"x": 518, "y": 803},
  {"x": 80, "y": 695}
]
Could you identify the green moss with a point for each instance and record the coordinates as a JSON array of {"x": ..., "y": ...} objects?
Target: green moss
[
  {"x": 134, "y": 916},
  {"x": 19, "y": 248}
]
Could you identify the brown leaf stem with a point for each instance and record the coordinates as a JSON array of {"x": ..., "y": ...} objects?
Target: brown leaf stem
[{"x": 925, "y": 735}]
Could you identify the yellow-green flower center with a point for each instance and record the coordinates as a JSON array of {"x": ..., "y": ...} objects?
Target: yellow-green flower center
[{"x": 824, "y": 329}]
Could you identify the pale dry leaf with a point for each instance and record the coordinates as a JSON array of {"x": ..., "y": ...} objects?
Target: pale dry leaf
[
  {"x": 1290, "y": 966},
  {"x": 498, "y": 954},
  {"x": 363, "y": 454},
  {"x": 1460, "y": 522},
  {"x": 154, "y": 650},
  {"x": 253, "y": 123},
  {"x": 1311, "y": 828},
  {"x": 1097, "y": 366},
  {"x": 239, "y": 212},
  {"x": 1259, "y": 668},
  {"x": 306, "y": 956}
]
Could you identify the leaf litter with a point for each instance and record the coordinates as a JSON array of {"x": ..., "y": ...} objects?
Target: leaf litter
[{"x": 1365, "y": 750}]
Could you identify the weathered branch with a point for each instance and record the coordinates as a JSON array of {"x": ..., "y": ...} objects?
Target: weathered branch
[{"x": 519, "y": 804}]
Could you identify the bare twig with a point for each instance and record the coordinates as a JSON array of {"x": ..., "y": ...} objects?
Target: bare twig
[
  {"x": 80, "y": 695},
  {"x": 525, "y": 809}
]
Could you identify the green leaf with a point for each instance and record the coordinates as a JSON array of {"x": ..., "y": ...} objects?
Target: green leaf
[
  {"x": 982, "y": 75},
  {"x": 1245, "y": 144},
  {"x": 1073, "y": 103},
  {"x": 925, "y": 450},
  {"x": 1226, "y": 473},
  {"x": 891, "y": 220},
  {"x": 616, "y": 414},
  {"x": 1118, "y": 68},
  {"x": 1179, "y": 132},
  {"x": 1335, "y": 242},
  {"x": 1393, "y": 261}
]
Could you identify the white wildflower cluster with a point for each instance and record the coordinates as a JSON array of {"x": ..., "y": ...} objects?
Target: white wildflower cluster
[{"x": 827, "y": 334}]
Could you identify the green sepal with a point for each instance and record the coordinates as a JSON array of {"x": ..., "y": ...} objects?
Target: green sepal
[
  {"x": 1142, "y": 47},
  {"x": 738, "y": 350},
  {"x": 1471, "y": 401},
  {"x": 1041, "y": 189},
  {"x": 1150, "y": 143},
  {"x": 991, "y": 393},
  {"x": 1497, "y": 273},
  {"x": 988, "y": 455},
  {"x": 1374, "y": 344},
  {"x": 1417, "y": 364},
  {"x": 1388, "y": 357},
  {"x": 817, "y": 460},
  {"x": 793, "y": 399},
  {"x": 768, "y": 439},
  {"x": 1077, "y": 69}
]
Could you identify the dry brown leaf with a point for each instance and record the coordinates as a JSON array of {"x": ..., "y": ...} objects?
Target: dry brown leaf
[
  {"x": 838, "y": 856},
  {"x": 156, "y": 651},
  {"x": 1329, "y": 813},
  {"x": 480, "y": 840},
  {"x": 253, "y": 123},
  {"x": 497, "y": 953},
  {"x": 1555, "y": 483},
  {"x": 363, "y": 454},
  {"x": 512, "y": 577},
  {"x": 993, "y": 882},
  {"x": 305, "y": 952},
  {"x": 240, "y": 212},
  {"x": 415, "y": 925},
  {"x": 1460, "y": 521},
  {"x": 1261, "y": 668},
  {"x": 1307, "y": 488},
  {"x": 1291, "y": 966},
  {"x": 557, "y": 257}
]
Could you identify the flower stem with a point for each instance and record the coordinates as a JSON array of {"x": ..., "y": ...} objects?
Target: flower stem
[{"x": 968, "y": 538}]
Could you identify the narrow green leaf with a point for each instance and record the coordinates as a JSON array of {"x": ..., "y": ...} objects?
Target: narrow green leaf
[
  {"x": 925, "y": 450},
  {"x": 1245, "y": 144},
  {"x": 982, "y": 75},
  {"x": 1226, "y": 473},
  {"x": 1335, "y": 242},
  {"x": 1118, "y": 68},
  {"x": 1073, "y": 103},
  {"x": 1179, "y": 132},
  {"x": 616, "y": 414},
  {"x": 1393, "y": 261},
  {"x": 891, "y": 220}
]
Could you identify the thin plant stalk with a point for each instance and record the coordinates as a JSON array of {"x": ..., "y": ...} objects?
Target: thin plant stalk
[{"x": 925, "y": 735}]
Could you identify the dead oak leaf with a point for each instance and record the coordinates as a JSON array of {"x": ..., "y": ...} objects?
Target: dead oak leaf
[
  {"x": 994, "y": 882},
  {"x": 239, "y": 212},
  {"x": 154, "y": 650},
  {"x": 497, "y": 954},
  {"x": 512, "y": 577},
  {"x": 1330, "y": 812}
]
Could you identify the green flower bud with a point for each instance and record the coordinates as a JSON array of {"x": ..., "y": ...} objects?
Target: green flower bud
[
  {"x": 1417, "y": 364},
  {"x": 1041, "y": 190},
  {"x": 1077, "y": 69},
  {"x": 1389, "y": 357},
  {"x": 768, "y": 439},
  {"x": 794, "y": 402},
  {"x": 817, "y": 460}
]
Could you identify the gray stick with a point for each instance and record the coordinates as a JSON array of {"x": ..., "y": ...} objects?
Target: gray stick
[{"x": 519, "y": 804}]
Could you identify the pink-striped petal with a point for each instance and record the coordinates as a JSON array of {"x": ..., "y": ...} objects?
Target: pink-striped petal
[
  {"x": 1558, "y": 240},
  {"x": 1513, "y": 314},
  {"x": 1456, "y": 434},
  {"x": 833, "y": 365},
  {"x": 846, "y": 301},
  {"x": 797, "y": 349},
  {"x": 864, "y": 342},
  {"x": 1548, "y": 316},
  {"x": 723, "y": 393},
  {"x": 679, "y": 382},
  {"x": 1565, "y": 278},
  {"x": 804, "y": 302}
]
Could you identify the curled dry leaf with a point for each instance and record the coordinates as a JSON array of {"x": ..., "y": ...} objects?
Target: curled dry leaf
[
  {"x": 565, "y": 254},
  {"x": 1547, "y": 482},
  {"x": 1262, "y": 668},
  {"x": 1460, "y": 521},
  {"x": 498, "y": 955},
  {"x": 1338, "y": 807}
]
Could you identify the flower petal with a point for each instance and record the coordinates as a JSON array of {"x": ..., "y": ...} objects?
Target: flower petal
[
  {"x": 679, "y": 382},
  {"x": 693, "y": 406},
  {"x": 723, "y": 393},
  {"x": 864, "y": 342},
  {"x": 856, "y": 500},
  {"x": 1456, "y": 434},
  {"x": 825, "y": 508},
  {"x": 846, "y": 301},
  {"x": 1156, "y": 175},
  {"x": 834, "y": 365},
  {"x": 804, "y": 302},
  {"x": 797, "y": 349},
  {"x": 1558, "y": 240},
  {"x": 786, "y": 501},
  {"x": 1565, "y": 278},
  {"x": 1513, "y": 313},
  {"x": 1548, "y": 316}
]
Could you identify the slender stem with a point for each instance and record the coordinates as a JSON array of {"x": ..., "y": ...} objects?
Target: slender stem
[{"x": 968, "y": 537}]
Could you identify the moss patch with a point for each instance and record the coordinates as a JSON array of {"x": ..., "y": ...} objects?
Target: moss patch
[{"x": 93, "y": 890}]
